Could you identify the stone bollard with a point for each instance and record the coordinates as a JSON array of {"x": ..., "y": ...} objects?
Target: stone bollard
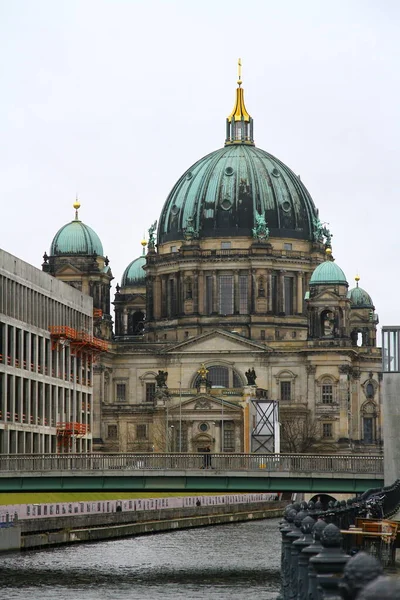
[
  {"x": 329, "y": 563},
  {"x": 284, "y": 528},
  {"x": 294, "y": 535},
  {"x": 307, "y": 525},
  {"x": 312, "y": 550},
  {"x": 286, "y": 544},
  {"x": 359, "y": 571},
  {"x": 382, "y": 588}
]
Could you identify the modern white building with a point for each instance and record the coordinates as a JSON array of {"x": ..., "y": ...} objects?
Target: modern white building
[{"x": 46, "y": 352}]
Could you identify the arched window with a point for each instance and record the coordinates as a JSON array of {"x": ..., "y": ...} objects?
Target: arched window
[{"x": 221, "y": 376}]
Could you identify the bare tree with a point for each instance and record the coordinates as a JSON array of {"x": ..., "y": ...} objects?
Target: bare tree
[{"x": 299, "y": 433}]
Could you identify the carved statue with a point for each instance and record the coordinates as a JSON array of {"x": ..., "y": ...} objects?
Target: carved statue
[
  {"x": 161, "y": 379},
  {"x": 152, "y": 241},
  {"x": 251, "y": 376},
  {"x": 190, "y": 233},
  {"x": 260, "y": 230},
  {"x": 320, "y": 232}
]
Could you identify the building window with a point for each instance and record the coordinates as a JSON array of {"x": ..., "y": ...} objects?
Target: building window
[
  {"x": 262, "y": 334},
  {"x": 369, "y": 390},
  {"x": 243, "y": 303},
  {"x": 261, "y": 287},
  {"x": 150, "y": 391},
  {"x": 327, "y": 430},
  {"x": 141, "y": 432},
  {"x": 287, "y": 246},
  {"x": 203, "y": 427},
  {"x": 286, "y": 390},
  {"x": 229, "y": 437},
  {"x": 209, "y": 294},
  {"x": 288, "y": 283},
  {"x": 368, "y": 430},
  {"x": 121, "y": 392},
  {"x": 226, "y": 295},
  {"x": 226, "y": 245},
  {"x": 327, "y": 393},
  {"x": 112, "y": 432}
]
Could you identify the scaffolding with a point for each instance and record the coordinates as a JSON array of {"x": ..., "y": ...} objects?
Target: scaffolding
[
  {"x": 67, "y": 431},
  {"x": 78, "y": 340}
]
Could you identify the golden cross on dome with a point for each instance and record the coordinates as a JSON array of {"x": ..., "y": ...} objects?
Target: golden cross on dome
[{"x": 239, "y": 72}]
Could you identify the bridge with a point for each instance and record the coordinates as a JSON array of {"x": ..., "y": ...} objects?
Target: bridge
[{"x": 177, "y": 472}]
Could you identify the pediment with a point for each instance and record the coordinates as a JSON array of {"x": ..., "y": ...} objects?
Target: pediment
[
  {"x": 206, "y": 403},
  {"x": 217, "y": 341},
  {"x": 66, "y": 270},
  {"x": 326, "y": 296}
]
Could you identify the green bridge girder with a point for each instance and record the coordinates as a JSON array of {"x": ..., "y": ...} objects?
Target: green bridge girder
[{"x": 187, "y": 483}]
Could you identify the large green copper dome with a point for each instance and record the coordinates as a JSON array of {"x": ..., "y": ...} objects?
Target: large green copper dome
[
  {"x": 223, "y": 191},
  {"x": 134, "y": 273},
  {"x": 222, "y": 194},
  {"x": 328, "y": 273},
  {"x": 76, "y": 238}
]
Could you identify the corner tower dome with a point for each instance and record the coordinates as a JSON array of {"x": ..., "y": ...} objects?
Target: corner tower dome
[
  {"x": 328, "y": 273},
  {"x": 359, "y": 298},
  {"x": 221, "y": 194},
  {"x": 134, "y": 273},
  {"x": 76, "y": 238}
]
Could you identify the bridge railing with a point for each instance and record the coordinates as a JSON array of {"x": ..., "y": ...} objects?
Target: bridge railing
[{"x": 291, "y": 463}]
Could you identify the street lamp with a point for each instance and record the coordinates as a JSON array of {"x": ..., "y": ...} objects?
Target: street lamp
[{"x": 172, "y": 427}]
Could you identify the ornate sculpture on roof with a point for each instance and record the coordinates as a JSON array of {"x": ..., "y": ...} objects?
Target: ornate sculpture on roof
[
  {"x": 260, "y": 229},
  {"x": 161, "y": 379},
  {"x": 251, "y": 376},
  {"x": 320, "y": 232},
  {"x": 203, "y": 372},
  {"x": 152, "y": 242},
  {"x": 190, "y": 233}
]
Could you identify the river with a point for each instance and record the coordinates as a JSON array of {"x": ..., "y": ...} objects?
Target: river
[{"x": 223, "y": 562}]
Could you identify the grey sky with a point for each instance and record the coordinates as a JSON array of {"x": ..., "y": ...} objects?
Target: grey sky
[{"x": 115, "y": 99}]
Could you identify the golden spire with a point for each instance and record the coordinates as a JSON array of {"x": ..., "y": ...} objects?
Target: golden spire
[
  {"x": 144, "y": 244},
  {"x": 76, "y": 206},
  {"x": 239, "y": 112},
  {"x": 239, "y": 124}
]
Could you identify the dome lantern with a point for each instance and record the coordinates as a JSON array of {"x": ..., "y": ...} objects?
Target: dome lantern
[{"x": 239, "y": 124}]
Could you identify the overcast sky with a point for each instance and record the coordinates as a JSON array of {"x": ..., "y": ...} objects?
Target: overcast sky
[{"x": 115, "y": 99}]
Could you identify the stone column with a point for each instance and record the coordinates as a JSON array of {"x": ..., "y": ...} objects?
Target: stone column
[
  {"x": 201, "y": 287},
  {"x": 300, "y": 293},
  {"x": 215, "y": 292},
  {"x": 236, "y": 300},
  {"x": 157, "y": 297},
  {"x": 195, "y": 291},
  {"x": 269, "y": 291},
  {"x": 281, "y": 293}
]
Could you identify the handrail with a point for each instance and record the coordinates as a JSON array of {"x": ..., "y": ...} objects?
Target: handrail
[{"x": 289, "y": 463}]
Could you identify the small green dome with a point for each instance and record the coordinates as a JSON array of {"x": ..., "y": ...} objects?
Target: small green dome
[
  {"x": 359, "y": 298},
  {"x": 134, "y": 273},
  {"x": 328, "y": 272},
  {"x": 76, "y": 238}
]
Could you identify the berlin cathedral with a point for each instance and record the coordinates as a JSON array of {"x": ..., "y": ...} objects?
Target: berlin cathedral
[{"x": 234, "y": 329}]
